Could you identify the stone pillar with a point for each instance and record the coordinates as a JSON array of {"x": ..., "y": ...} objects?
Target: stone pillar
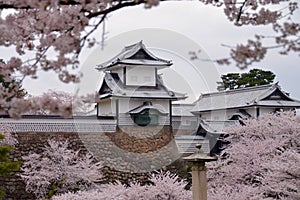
[{"x": 199, "y": 180}]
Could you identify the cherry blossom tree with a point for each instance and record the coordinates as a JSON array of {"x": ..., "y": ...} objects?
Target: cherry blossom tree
[
  {"x": 52, "y": 103},
  {"x": 49, "y": 103},
  {"x": 166, "y": 186},
  {"x": 261, "y": 162},
  {"x": 8, "y": 138},
  {"x": 59, "y": 169},
  {"x": 298, "y": 119},
  {"x": 49, "y": 35},
  {"x": 69, "y": 104},
  {"x": 66, "y": 174},
  {"x": 7, "y": 142}
]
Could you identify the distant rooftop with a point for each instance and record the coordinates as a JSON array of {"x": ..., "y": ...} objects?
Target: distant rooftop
[{"x": 265, "y": 95}]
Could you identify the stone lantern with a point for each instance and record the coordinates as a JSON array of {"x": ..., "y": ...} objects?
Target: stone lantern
[{"x": 199, "y": 180}]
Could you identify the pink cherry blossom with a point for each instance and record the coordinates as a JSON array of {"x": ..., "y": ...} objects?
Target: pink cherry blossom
[
  {"x": 9, "y": 139},
  {"x": 261, "y": 162},
  {"x": 59, "y": 166},
  {"x": 49, "y": 35}
]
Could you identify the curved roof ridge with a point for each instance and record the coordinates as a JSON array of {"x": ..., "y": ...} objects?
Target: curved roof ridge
[
  {"x": 129, "y": 51},
  {"x": 140, "y": 43}
]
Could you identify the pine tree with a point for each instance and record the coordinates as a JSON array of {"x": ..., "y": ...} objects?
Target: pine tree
[{"x": 252, "y": 78}]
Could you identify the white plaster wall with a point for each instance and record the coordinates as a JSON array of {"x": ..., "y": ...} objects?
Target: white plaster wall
[
  {"x": 205, "y": 115},
  {"x": 107, "y": 107},
  {"x": 251, "y": 111},
  {"x": 263, "y": 111},
  {"x": 140, "y": 76},
  {"x": 185, "y": 122},
  {"x": 221, "y": 115},
  {"x": 218, "y": 115},
  {"x": 125, "y": 119},
  {"x": 126, "y": 104},
  {"x": 266, "y": 110},
  {"x": 164, "y": 120}
]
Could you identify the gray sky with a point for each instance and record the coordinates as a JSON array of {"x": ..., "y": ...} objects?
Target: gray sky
[{"x": 204, "y": 26}]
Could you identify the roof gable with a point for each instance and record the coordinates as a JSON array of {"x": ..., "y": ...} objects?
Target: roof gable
[
  {"x": 136, "y": 54},
  {"x": 278, "y": 95},
  {"x": 104, "y": 89},
  {"x": 142, "y": 54}
]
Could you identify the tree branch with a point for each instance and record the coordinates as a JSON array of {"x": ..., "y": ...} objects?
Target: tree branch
[
  {"x": 116, "y": 7},
  {"x": 241, "y": 11},
  {"x": 90, "y": 32}
]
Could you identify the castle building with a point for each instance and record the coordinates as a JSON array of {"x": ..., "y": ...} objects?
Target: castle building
[
  {"x": 243, "y": 103},
  {"x": 132, "y": 92}
]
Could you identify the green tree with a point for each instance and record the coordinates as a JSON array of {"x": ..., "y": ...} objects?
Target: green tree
[
  {"x": 13, "y": 86},
  {"x": 252, "y": 78},
  {"x": 6, "y": 165}
]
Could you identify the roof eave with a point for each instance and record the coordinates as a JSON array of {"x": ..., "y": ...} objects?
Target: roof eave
[
  {"x": 150, "y": 97},
  {"x": 209, "y": 110}
]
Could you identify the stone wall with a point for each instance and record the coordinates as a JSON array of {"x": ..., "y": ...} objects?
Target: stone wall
[
  {"x": 130, "y": 139},
  {"x": 139, "y": 139}
]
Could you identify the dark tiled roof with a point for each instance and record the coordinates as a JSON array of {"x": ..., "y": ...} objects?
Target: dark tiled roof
[
  {"x": 136, "y": 54},
  {"x": 52, "y": 125},
  {"x": 116, "y": 88}
]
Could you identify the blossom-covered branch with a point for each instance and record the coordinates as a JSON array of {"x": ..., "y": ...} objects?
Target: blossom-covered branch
[
  {"x": 278, "y": 14},
  {"x": 49, "y": 35}
]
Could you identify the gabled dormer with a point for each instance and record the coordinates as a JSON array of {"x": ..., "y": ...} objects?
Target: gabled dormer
[
  {"x": 136, "y": 66},
  {"x": 277, "y": 95}
]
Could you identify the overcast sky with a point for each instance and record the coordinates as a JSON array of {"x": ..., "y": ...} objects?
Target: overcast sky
[{"x": 191, "y": 25}]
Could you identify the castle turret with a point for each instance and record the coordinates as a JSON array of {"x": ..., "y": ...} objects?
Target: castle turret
[{"x": 132, "y": 92}]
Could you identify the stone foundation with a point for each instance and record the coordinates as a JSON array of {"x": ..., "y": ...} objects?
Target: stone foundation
[{"x": 141, "y": 139}]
